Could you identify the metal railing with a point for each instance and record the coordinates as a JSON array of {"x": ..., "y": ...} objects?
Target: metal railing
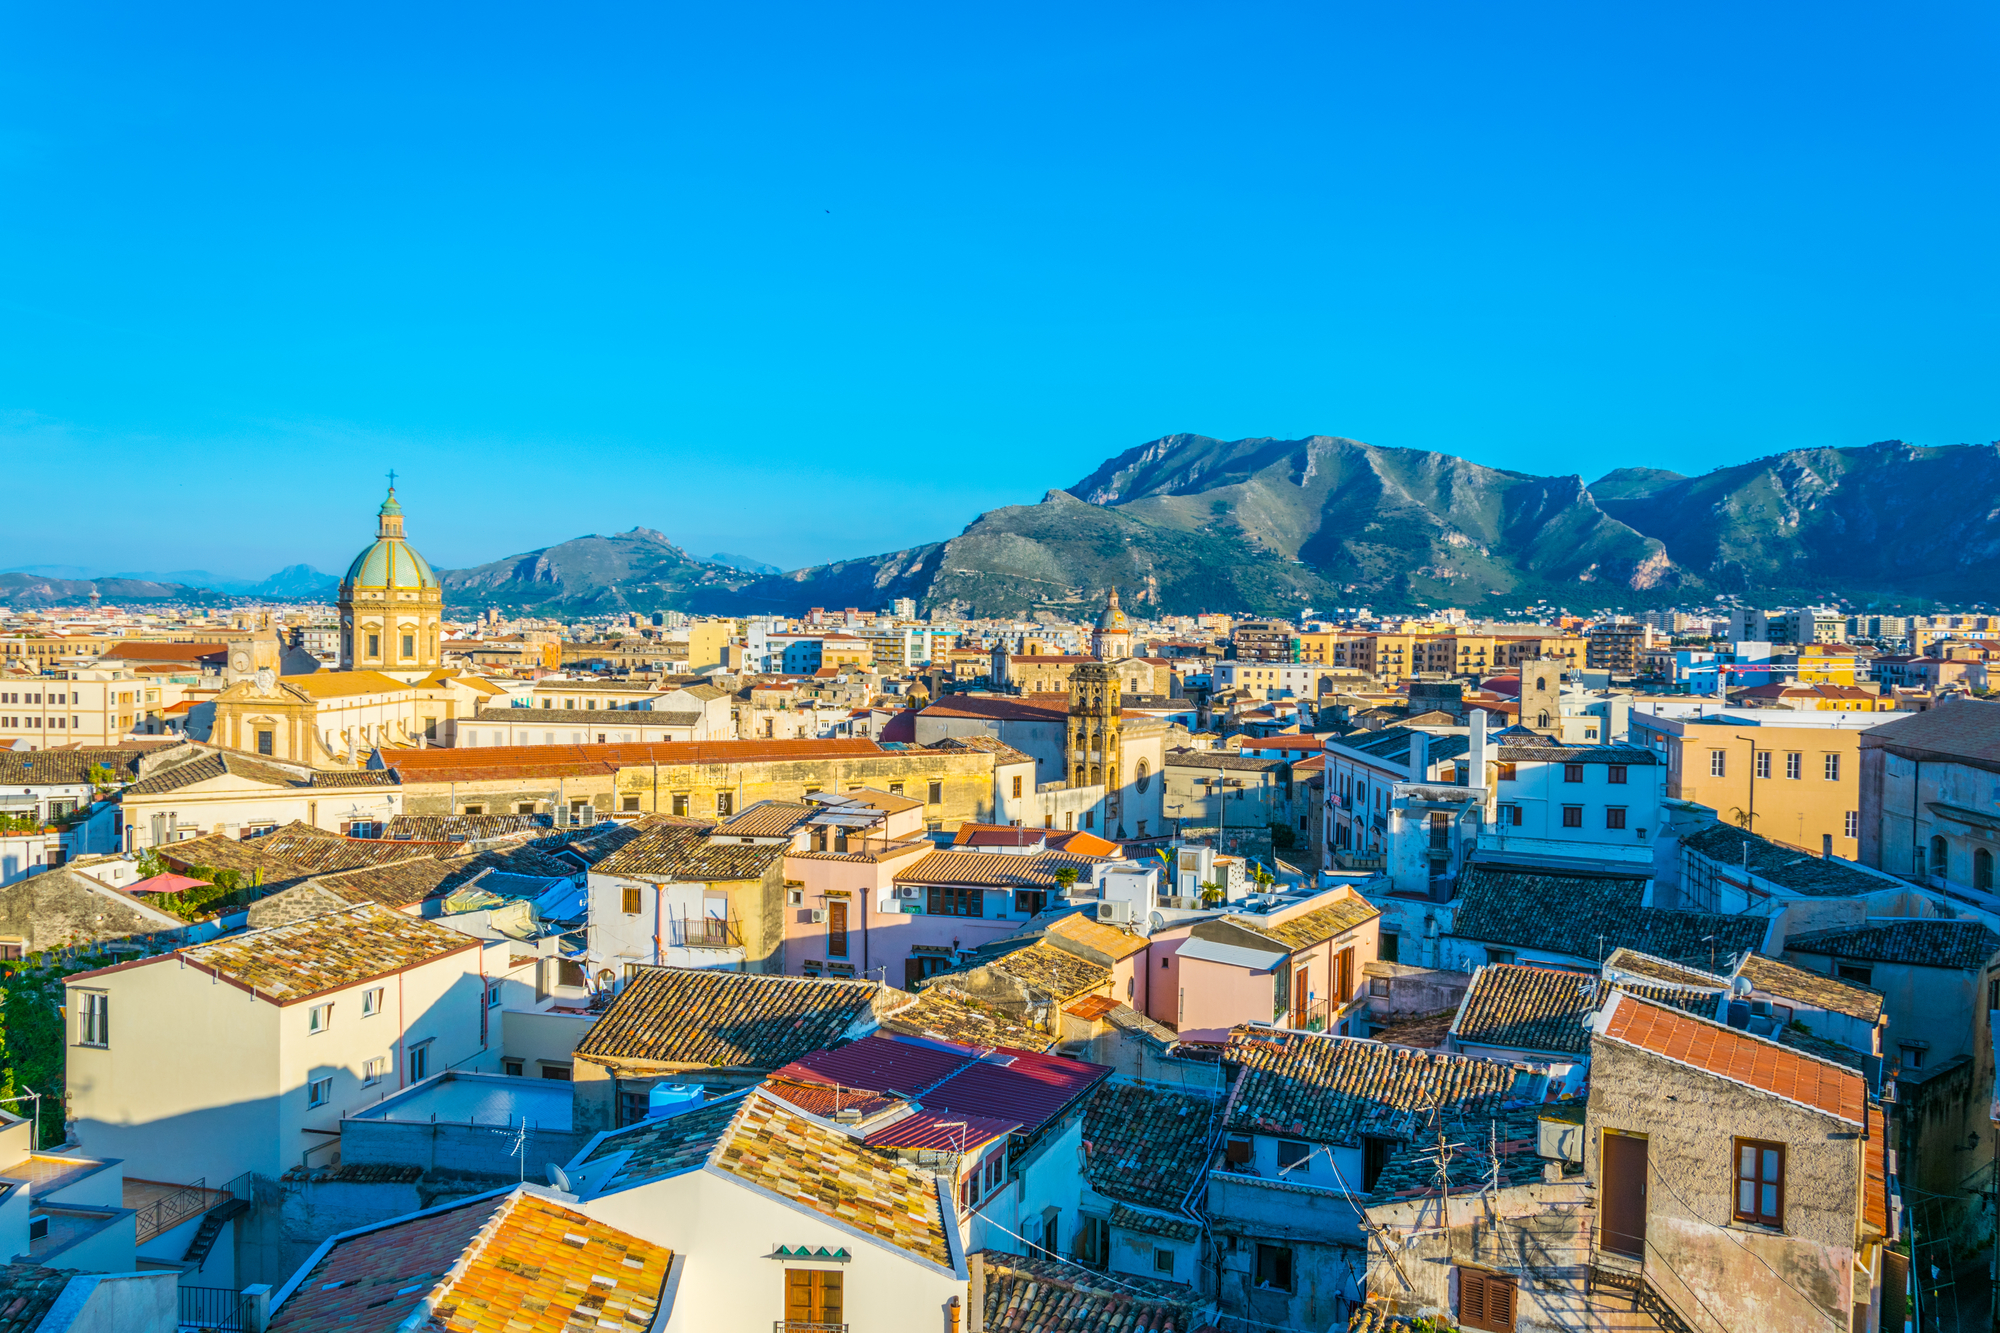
[
  {"x": 805, "y": 1326},
  {"x": 222, "y": 1309},
  {"x": 170, "y": 1210},
  {"x": 707, "y": 932}
]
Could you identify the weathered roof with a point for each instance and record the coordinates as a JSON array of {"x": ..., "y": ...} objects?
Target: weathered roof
[
  {"x": 1412, "y": 1171},
  {"x": 1050, "y": 1296},
  {"x": 1146, "y": 1144},
  {"x": 608, "y": 718},
  {"x": 1822, "y": 1047},
  {"x": 1921, "y": 943},
  {"x": 1659, "y": 969},
  {"x": 1392, "y": 744},
  {"x": 360, "y": 777},
  {"x": 681, "y": 852},
  {"x": 1098, "y": 941},
  {"x": 1587, "y": 916},
  {"x": 1815, "y": 988},
  {"x": 768, "y": 819},
  {"x": 1051, "y": 971},
  {"x": 1002, "y": 753},
  {"x": 446, "y": 828},
  {"x": 502, "y": 762},
  {"x": 777, "y": 1149},
  {"x": 1520, "y": 745},
  {"x": 215, "y": 764},
  {"x": 943, "y": 1013},
  {"x": 1224, "y": 759},
  {"x": 518, "y": 1262},
  {"x": 1725, "y": 1052},
  {"x": 994, "y": 707},
  {"x": 26, "y": 1293},
  {"x": 1546, "y": 1009},
  {"x": 292, "y": 853},
  {"x": 1787, "y": 867},
  {"x": 662, "y": 1146},
  {"x": 1332, "y": 1089},
  {"x": 1314, "y": 927},
  {"x": 996, "y": 870},
  {"x": 691, "y": 1016},
  {"x": 30, "y": 768},
  {"x": 303, "y": 959},
  {"x": 1965, "y": 729}
]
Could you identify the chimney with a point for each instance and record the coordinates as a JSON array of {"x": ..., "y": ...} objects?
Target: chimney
[
  {"x": 1420, "y": 756},
  {"x": 1476, "y": 750}
]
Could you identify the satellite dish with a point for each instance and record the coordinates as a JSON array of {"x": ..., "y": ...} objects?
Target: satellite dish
[
  {"x": 1739, "y": 987},
  {"x": 560, "y": 1179}
]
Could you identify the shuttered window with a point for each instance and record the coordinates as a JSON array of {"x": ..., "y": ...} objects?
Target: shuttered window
[{"x": 1485, "y": 1300}]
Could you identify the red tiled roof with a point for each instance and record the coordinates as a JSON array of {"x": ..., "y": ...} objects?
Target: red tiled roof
[
  {"x": 1021, "y": 1087},
  {"x": 511, "y": 761},
  {"x": 1738, "y": 1057},
  {"x": 1092, "y": 1007},
  {"x": 941, "y": 1131},
  {"x": 994, "y": 707}
]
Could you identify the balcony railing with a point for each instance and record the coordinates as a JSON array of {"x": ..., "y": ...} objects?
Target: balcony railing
[
  {"x": 170, "y": 1210},
  {"x": 222, "y": 1309},
  {"x": 708, "y": 932},
  {"x": 806, "y": 1326}
]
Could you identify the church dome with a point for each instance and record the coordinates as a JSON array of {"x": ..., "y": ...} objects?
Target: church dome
[
  {"x": 391, "y": 563},
  {"x": 1113, "y": 618}
]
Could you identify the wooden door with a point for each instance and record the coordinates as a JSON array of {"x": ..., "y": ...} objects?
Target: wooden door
[
  {"x": 1343, "y": 988},
  {"x": 1298, "y": 997},
  {"x": 1624, "y": 1195},
  {"x": 812, "y": 1296}
]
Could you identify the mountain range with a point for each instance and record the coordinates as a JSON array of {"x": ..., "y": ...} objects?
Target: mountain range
[{"x": 1272, "y": 527}]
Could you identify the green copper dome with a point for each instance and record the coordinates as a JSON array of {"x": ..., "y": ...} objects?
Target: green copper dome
[{"x": 391, "y": 562}]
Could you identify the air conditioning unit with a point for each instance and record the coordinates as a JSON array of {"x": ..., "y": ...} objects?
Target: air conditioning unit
[
  {"x": 1119, "y": 912},
  {"x": 907, "y": 891},
  {"x": 819, "y": 916}
]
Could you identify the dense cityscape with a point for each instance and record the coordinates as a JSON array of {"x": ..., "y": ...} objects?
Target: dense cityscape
[{"x": 885, "y": 968}]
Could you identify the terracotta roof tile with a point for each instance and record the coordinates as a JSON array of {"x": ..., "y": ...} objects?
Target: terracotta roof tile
[
  {"x": 1815, "y": 988},
  {"x": 26, "y": 1293},
  {"x": 1924, "y": 943},
  {"x": 664, "y": 1145},
  {"x": 1564, "y": 912},
  {"x": 685, "y": 853},
  {"x": 944, "y": 1013},
  {"x": 996, "y": 870},
  {"x": 1547, "y": 1009},
  {"x": 1314, "y": 927},
  {"x": 1148, "y": 1145},
  {"x": 691, "y": 1016},
  {"x": 289, "y": 963},
  {"x": 1054, "y": 972},
  {"x": 519, "y": 1263},
  {"x": 1048, "y": 1296},
  {"x": 777, "y": 1149},
  {"x": 1736, "y": 1056},
  {"x": 1331, "y": 1089}
]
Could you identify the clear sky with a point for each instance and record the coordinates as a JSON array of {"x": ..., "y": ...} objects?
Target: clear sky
[{"x": 813, "y": 281}]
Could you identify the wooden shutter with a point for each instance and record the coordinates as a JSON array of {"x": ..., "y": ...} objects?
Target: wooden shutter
[
  {"x": 799, "y": 1294},
  {"x": 1485, "y": 1300}
]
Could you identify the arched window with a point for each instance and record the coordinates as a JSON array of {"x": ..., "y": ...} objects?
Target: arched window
[
  {"x": 1144, "y": 776},
  {"x": 1940, "y": 858},
  {"x": 1541, "y": 682},
  {"x": 1079, "y": 775},
  {"x": 1541, "y": 719},
  {"x": 1982, "y": 870}
]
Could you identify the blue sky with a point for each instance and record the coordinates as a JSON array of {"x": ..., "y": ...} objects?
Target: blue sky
[{"x": 812, "y": 281}]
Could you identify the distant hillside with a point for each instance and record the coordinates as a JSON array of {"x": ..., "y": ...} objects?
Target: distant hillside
[
  {"x": 35, "y": 590},
  {"x": 638, "y": 570}
]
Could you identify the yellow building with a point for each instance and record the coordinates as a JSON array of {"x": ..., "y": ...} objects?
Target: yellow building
[
  {"x": 1795, "y": 780},
  {"x": 1394, "y": 657},
  {"x": 706, "y": 640},
  {"x": 390, "y": 603},
  {"x": 1826, "y": 664}
]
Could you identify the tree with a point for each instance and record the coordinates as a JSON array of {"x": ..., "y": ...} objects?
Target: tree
[{"x": 1067, "y": 877}]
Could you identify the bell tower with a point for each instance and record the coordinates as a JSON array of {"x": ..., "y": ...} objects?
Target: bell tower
[
  {"x": 1541, "y": 695},
  {"x": 1095, "y": 742}
]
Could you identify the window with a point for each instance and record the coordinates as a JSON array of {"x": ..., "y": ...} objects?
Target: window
[
  {"x": 1615, "y": 773},
  {"x": 265, "y": 743},
  {"x": 725, "y": 804},
  {"x": 1292, "y": 1153},
  {"x": 477, "y": 809},
  {"x": 629, "y": 804},
  {"x": 957, "y": 901},
  {"x": 524, "y": 807},
  {"x": 1940, "y": 858},
  {"x": 1499, "y": 956},
  {"x": 374, "y": 645},
  {"x": 813, "y": 1296},
  {"x": 1795, "y": 765},
  {"x": 513, "y": 1068},
  {"x": 569, "y": 973},
  {"x": 493, "y": 995},
  {"x": 1093, "y": 1241},
  {"x": 409, "y": 646},
  {"x": 319, "y": 1018},
  {"x": 632, "y": 904},
  {"x": 1572, "y": 772},
  {"x": 93, "y": 1018},
  {"x": 680, "y": 803},
  {"x": 319, "y": 1092},
  {"x": 1572, "y": 816},
  {"x": 1390, "y": 949},
  {"x": 1763, "y": 763},
  {"x": 1861, "y": 974},
  {"x": 1017, "y": 786},
  {"x": 371, "y": 1001},
  {"x": 1375, "y": 1155},
  {"x": 1831, "y": 768},
  {"x": 420, "y": 1062},
  {"x": 1760, "y": 1182},
  {"x": 373, "y": 1070},
  {"x": 1163, "y": 1261},
  {"x": 1614, "y": 816},
  {"x": 1850, "y": 824},
  {"x": 1913, "y": 1056},
  {"x": 1509, "y": 815},
  {"x": 1379, "y": 987},
  {"x": 1486, "y": 1300},
  {"x": 559, "y": 1073},
  {"x": 1274, "y": 1267},
  {"x": 936, "y": 796},
  {"x": 1718, "y": 766},
  {"x": 1982, "y": 870}
]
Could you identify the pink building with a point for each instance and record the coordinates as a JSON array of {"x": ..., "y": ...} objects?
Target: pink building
[{"x": 1297, "y": 965}]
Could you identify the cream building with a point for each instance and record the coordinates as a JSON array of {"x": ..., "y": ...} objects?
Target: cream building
[
  {"x": 236, "y": 795},
  {"x": 335, "y": 719},
  {"x": 390, "y": 603},
  {"x": 88, "y": 706},
  {"x": 244, "y": 1053}
]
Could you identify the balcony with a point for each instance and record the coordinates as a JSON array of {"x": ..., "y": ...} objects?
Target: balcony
[
  {"x": 805, "y": 1326},
  {"x": 709, "y": 932}
]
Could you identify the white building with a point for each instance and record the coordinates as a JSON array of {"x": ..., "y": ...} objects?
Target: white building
[
  {"x": 1600, "y": 801},
  {"x": 243, "y": 1054}
]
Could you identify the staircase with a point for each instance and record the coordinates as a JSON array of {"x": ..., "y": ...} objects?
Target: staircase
[
  {"x": 1625, "y": 1281},
  {"x": 212, "y": 1223}
]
